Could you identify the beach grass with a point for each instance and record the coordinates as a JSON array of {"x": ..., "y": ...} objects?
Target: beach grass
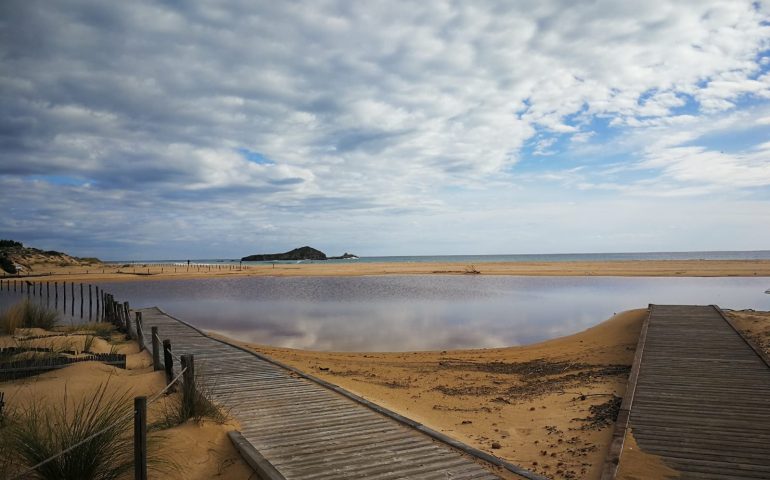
[
  {"x": 194, "y": 405},
  {"x": 27, "y": 314},
  {"x": 38, "y": 432}
]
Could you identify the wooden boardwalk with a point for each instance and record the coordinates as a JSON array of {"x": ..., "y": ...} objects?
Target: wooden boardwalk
[
  {"x": 699, "y": 395},
  {"x": 306, "y": 430}
]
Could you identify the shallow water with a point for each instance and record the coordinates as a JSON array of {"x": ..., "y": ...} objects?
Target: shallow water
[
  {"x": 422, "y": 312},
  {"x": 392, "y": 313}
]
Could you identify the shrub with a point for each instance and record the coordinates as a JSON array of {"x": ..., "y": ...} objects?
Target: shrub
[
  {"x": 90, "y": 260},
  {"x": 7, "y": 265},
  {"x": 10, "y": 244}
]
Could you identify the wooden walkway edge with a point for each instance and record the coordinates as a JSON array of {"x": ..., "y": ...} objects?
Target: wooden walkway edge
[
  {"x": 261, "y": 387},
  {"x": 698, "y": 397}
]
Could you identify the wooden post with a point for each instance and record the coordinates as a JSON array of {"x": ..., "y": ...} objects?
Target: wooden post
[
  {"x": 140, "y": 438},
  {"x": 47, "y": 293},
  {"x": 155, "y": 349},
  {"x": 139, "y": 331},
  {"x": 81, "y": 300},
  {"x": 72, "y": 304},
  {"x": 168, "y": 362},
  {"x": 188, "y": 387},
  {"x": 56, "y": 295},
  {"x": 96, "y": 291},
  {"x": 90, "y": 303},
  {"x": 126, "y": 319}
]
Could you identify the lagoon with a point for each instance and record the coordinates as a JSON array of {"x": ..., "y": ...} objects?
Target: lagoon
[{"x": 403, "y": 313}]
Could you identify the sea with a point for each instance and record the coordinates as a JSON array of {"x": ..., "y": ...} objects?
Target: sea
[{"x": 529, "y": 257}]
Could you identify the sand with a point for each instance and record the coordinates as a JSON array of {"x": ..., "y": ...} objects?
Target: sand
[
  {"x": 754, "y": 325},
  {"x": 631, "y": 268},
  {"x": 635, "y": 464},
  {"x": 523, "y": 404}
]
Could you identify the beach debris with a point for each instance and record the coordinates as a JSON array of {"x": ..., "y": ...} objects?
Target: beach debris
[
  {"x": 496, "y": 445},
  {"x": 602, "y": 415},
  {"x": 471, "y": 270}
]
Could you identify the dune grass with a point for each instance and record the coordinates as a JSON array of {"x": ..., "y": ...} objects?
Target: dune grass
[
  {"x": 100, "y": 329},
  {"x": 37, "y": 433},
  {"x": 194, "y": 405},
  {"x": 27, "y": 314}
]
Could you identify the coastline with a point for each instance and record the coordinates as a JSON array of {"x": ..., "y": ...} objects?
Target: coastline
[{"x": 615, "y": 268}]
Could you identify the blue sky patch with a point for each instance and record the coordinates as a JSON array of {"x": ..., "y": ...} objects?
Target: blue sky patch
[{"x": 254, "y": 157}]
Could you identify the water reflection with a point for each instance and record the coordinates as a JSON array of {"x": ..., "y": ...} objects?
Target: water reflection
[{"x": 422, "y": 312}]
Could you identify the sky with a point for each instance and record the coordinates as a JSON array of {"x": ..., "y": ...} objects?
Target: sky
[{"x": 218, "y": 129}]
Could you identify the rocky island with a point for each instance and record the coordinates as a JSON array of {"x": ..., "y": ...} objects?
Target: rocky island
[{"x": 301, "y": 253}]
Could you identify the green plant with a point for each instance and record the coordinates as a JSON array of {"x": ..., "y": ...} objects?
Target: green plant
[{"x": 27, "y": 314}]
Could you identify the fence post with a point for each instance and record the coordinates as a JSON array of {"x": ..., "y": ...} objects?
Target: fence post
[
  {"x": 155, "y": 349},
  {"x": 90, "y": 303},
  {"x": 72, "y": 304},
  {"x": 139, "y": 331},
  {"x": 140, "y": 438},
  {"x": 81, "y": 300},
  {"x": 188, "y": 388},
  {"x": 168, "y": 362},
  {"x": 127, "y": 319},
  {"x": 126, "y": 311}
]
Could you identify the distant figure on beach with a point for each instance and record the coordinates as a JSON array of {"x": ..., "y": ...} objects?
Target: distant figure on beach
[{"x": 188, "y": 263}]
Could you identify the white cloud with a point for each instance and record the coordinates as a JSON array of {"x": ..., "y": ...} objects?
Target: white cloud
[{"x": 375, "y": 106}]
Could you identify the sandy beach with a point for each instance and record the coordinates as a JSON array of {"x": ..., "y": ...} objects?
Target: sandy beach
[{"x": 631, "y": 268}]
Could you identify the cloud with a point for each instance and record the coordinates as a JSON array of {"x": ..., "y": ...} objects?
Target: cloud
[{"x": 375, "y": 107}]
